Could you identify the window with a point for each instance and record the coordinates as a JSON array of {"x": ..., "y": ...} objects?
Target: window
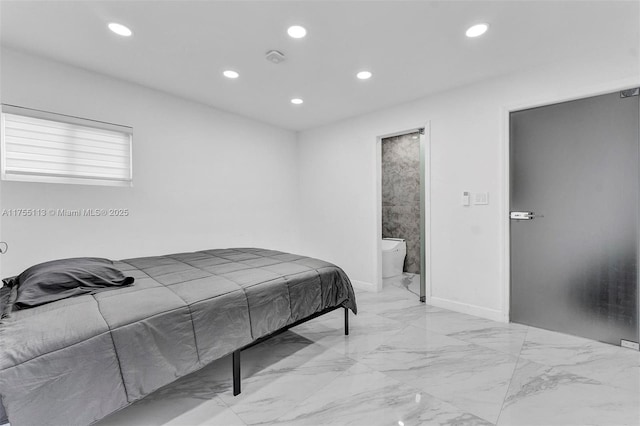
[{"x": 38, "y": 146}]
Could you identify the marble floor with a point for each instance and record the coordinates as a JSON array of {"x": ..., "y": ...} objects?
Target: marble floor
[{"x": 406, "y": 363}]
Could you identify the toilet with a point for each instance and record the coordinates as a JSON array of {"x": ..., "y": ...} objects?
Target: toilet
[{"x": 394, "y": 251}]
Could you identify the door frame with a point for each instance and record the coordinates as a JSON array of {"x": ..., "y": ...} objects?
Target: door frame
[
  {"x": 506, "y": 110},
  {"x": 425, "y": 208}
]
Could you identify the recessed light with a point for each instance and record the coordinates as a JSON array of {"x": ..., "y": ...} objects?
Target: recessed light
[
  {"x": 296, "y": 101},
  {"x": 120, "y": 29},
  {"x": 364, "y": 75},
  {"x": 231, "y": 74},
  {"x": 477, "y": 30},
  {"x": 296, "y": 31}
]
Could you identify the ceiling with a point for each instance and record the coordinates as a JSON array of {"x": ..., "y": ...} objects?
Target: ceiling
[{"x": 413, "y": 48}]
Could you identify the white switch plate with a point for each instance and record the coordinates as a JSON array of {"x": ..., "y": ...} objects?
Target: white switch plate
[
  {"x": 481, "y": 198},
  {"x": 466, "y": 198}
]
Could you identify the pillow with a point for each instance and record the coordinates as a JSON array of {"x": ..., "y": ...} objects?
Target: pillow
[
  {"x": 8, "y": 282},
  {"x": 60, "y": 279},
  {"x": 8, "y": 296}
]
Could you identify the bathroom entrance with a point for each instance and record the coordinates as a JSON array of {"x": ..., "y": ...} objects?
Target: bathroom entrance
[{"x": 403, "y": 212}]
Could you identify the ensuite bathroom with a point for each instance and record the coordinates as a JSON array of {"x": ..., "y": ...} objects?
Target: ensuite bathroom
[{"x": 401, "y": 217}]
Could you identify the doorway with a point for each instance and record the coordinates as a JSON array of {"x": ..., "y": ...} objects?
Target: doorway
[
  {"x": 574, "y": 203},
  {"x": 403, "y": 207}
]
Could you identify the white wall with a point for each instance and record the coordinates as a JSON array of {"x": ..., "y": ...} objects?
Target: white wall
[
  {"x": 202, "y": 178},
  {"x": 468, "y": 144}
]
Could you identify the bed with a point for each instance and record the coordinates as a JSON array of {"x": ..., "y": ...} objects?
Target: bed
[{"x": 76, "y": 360}]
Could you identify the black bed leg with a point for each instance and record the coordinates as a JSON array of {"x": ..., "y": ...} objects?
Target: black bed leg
[
  {"x": 346, "y": 321},
  {"x": 236, "y": 372}
]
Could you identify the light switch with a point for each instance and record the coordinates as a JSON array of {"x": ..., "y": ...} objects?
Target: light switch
[
  {"x": 481, "y": 198},
  {"x": 466, "y": 198}
]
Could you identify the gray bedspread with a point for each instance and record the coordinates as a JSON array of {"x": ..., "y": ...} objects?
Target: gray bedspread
[{"x": 74, "y": 361}]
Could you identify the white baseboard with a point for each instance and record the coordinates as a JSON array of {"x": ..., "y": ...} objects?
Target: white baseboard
[
  {"x": 363, "y": 285},
  {"x": 466, "y": 308}
]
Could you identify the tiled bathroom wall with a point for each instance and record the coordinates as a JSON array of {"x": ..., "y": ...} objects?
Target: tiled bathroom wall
[{"x": 401, "y": 194}]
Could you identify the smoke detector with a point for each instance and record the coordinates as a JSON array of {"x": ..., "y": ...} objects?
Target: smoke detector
[{"x": 275, "y": 57}]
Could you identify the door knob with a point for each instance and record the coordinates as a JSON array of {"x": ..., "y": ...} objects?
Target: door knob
[
  {"x": 3, "y": 247},
  {"x": 523, "y": 215}
]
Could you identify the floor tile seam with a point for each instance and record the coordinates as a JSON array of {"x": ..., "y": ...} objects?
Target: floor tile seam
[
  {"x": 561, "y": 368},
  {"x": 476, "y": 345},
  {"x": 237, "y": 414},
  {"x": 426, "y": 327},
  {"x": 412, "y": 384},
  {"x": 339, "y": 374},
  {"x": 515, "y": 367},
  {"x": 506, "y": 352},
  {"x": 228, "y": 407},
  {"x": 392, "y": 334},
  {"x": 380, "y": 315},
  {"x": 313, "y": 363},
  {"x": 379, "y": 312},
  {"x": 418, "y": 387},
  {"x": 315, "y": 392},
  {"x": 438, "y": 333},
  {"x": 224, "y": 404}
]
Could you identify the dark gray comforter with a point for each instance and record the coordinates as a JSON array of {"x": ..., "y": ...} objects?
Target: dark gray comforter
[{"x": 75, "y": 361}]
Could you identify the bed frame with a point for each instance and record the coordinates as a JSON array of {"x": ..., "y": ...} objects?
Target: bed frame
[{"x": 236, "y": 354}]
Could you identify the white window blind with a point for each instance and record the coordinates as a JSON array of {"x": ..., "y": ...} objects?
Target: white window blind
[{"x": 39, "y": 146}]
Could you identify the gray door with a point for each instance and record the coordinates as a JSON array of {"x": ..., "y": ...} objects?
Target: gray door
[{"x": 574, "y": 264}]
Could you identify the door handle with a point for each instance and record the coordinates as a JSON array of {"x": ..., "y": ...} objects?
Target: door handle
[
  {"x": 523, "y": 215},
  {"x": 3, "y": 247}
]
